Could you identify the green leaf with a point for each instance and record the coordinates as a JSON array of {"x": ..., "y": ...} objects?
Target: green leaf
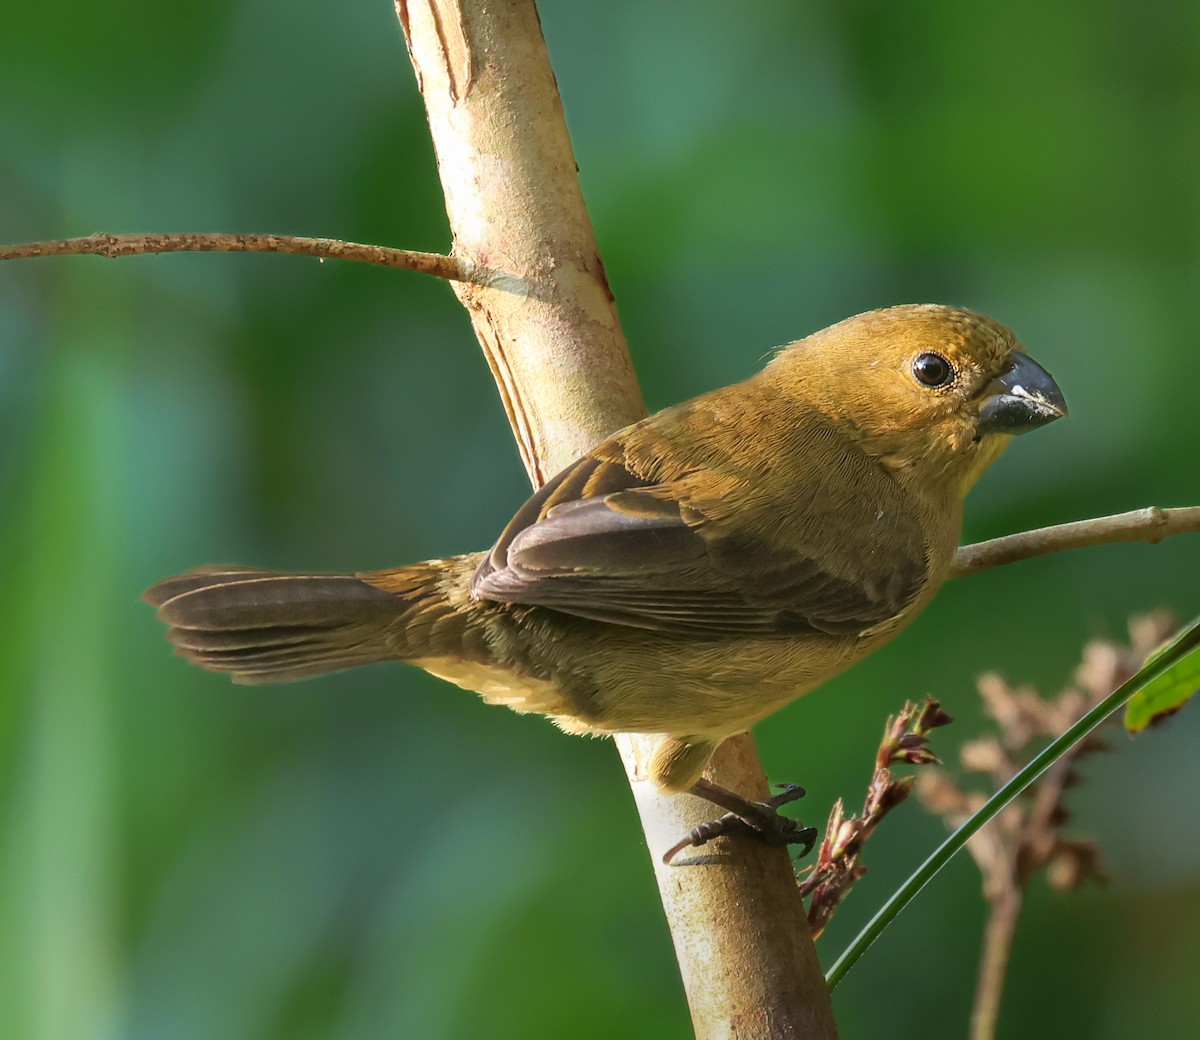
[
  {"x": 1171, "y": 690},
  {"x": 1163, "y": 663}
]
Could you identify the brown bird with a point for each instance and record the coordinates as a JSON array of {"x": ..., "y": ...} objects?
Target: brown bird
[{"x": 696, "y": 571}]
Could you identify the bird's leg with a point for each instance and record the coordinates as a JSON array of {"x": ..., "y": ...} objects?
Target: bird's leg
[{"x": 762, "y": 819}]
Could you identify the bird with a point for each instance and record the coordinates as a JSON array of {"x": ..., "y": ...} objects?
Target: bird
[{"x": 695, "y": 571}]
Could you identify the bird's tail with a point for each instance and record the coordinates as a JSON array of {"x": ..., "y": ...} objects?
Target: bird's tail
[{"x": 267, "y": 626}]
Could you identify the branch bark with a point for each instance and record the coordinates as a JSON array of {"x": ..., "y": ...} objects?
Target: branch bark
[
  {"x": 549, "y": 329},
  {"x": 113, "y": 246},
  {"x": 1140, "y": 525}
]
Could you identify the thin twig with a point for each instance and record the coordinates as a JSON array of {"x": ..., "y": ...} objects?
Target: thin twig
[
  {"x": 1140, "y": 525},
  {"x": 1001, "y": 930},
  {"x": 1151, "y": 524},
  {"x": 839, "y": 860},
  {"x": 451, "y": 268}
]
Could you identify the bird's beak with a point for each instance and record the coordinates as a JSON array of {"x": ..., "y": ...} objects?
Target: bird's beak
[{"x": 1023, "y": 397}]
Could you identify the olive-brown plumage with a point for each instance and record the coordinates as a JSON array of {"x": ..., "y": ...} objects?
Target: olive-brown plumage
[{"x": 697, "y": 570}]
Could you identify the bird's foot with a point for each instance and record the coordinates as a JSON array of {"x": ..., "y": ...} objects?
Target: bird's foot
[{"x": 761, "y": 819}]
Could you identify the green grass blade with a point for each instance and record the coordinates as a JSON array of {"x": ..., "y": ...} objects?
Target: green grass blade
[{"x": 1157, "y": 666}]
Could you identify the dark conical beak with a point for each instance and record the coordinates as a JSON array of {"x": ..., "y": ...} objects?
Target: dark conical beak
[{"x": 1023, "y": 397}]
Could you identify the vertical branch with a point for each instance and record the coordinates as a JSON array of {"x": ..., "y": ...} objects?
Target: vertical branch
[
  {"x": 1003, "y": 916},
  {"x": 741, "y": 935},
  {"x": 547, "y": 323},
  {"x": 549, "y": 328}
]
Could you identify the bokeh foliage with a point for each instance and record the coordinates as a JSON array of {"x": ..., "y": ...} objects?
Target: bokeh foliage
[{"x": 377, "y": 854}]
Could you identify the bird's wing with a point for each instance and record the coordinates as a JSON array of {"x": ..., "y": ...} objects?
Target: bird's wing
[{"x": 835, "y": 547}]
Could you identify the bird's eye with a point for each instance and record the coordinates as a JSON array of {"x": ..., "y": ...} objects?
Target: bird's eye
[{"x": 932, "y": 369}]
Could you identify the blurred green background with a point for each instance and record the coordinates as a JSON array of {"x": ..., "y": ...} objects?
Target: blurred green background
[{"x": 377, "y": 854}]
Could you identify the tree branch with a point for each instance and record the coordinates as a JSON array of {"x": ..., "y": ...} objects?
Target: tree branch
[
  {"x": 452, "y": 268},
  {"x": 557, "y": 352},
  {"x": 1141, "y": 525},
  {"x": 1151, "y": 524}
]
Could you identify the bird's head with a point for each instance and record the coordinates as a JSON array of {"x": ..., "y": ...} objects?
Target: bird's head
[{"x": 931, "y": 389}]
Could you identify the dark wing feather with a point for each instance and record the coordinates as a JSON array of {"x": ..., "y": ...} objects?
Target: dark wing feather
[
  {"x": 589, "y": 477},
  {"x": 604, "y": 542}
]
